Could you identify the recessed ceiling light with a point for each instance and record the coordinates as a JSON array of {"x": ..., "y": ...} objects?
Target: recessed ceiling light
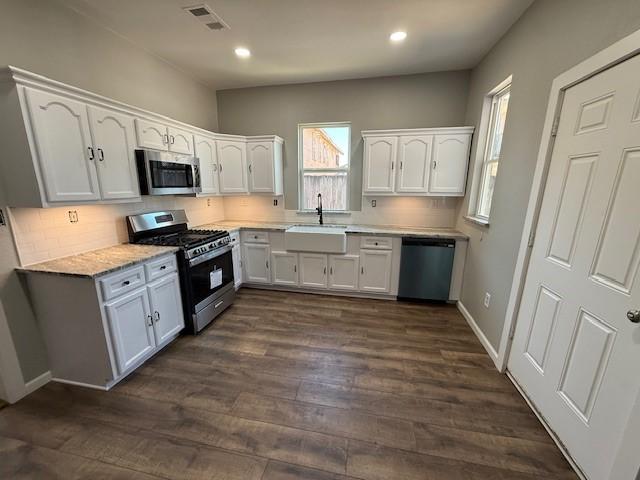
[
  {"x": 243, "y": 52},
  {"x": 398, "y": 36}
]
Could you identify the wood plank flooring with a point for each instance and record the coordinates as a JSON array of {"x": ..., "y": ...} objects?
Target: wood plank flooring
[{"x": 291, "y": 386}]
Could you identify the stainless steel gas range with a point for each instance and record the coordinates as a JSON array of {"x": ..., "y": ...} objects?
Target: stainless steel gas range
[{"x": 204, "y": 261}]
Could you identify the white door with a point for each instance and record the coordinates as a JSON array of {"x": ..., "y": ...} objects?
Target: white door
[
  {"x": 65, "y": 150},
  {"x": 114, "y": 140},
  {"x": 237, "y": 266},
  {"x": 152, "y": 135},
  {"x": 180, "y": 141},
  {"x": 261, "y": 175},
  {"x": 284, "y": 268},
  {"x": 131, "y": 326},
  {"x": 313, "y": 270},
  {"x": 343, "y": 272},
  {"x": 375, "y": 270},
  {"x": 574, "y": 351},
  {"x": 414, "y": 161},
  {"x": 232, "y": 168},
  {"x": 379, "y": 164},
  {"x": 449, "y": 166},
  {"x": 256, "y": 263},
  {"x": 166, "y": 308},
  {"x": 206, "y": 152}
]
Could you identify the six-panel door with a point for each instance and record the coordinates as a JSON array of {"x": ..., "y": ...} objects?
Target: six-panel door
[
  {"x": 131, "y": 325},
  {"x": 379, "y": 164},
  {"x": 449, "y": 165},
  {"x": 414, "y": 158},
  {"x": 232, "y": 168},
  {"x": 208, "y": 155},
  {"x": 256, "y": 263},
  {"x": 64, "y": 147},
  {"x": 166, "y": 308},
  {"x": 261, "y": 175},
  {"x": 375, "y": 266},
  {"x": 114, "y": 141},
  {"x": 284, "y": 268}
]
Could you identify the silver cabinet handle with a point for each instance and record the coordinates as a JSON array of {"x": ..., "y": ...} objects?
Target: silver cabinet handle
[
  {"x": 173, "y": 139},
  {"x": 101, "y": 155},
  {"x": 330, "y": 270},
  {"x": 91, "y": 154},
  {"x": 267, "y": 262},
  {"x": 157, "y": 314},
  {"x": 435, "y": 164},
  {"x": 150, "y": 318},
  {"x": 634, "y": 316},
  {"x": 165, "y": 138},
  {"x": 220, "y": 167},
  {"x": 325, "y": 270},
  {"x": 249, "y": 168},
  {"x": 362, "y": 270},
  {"x": 400, "y": 165},
  {"x": 215, "y": 167},
  {"x": 391, "y": 165},
  {"x": 295, "y": 268}
]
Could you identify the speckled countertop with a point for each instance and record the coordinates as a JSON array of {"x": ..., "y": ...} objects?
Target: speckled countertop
[
  {"x": 99, "y": 262},
  {"x": 391, "y": 230}
]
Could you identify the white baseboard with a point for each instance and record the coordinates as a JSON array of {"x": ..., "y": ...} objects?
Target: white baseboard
[
  {"x": 36, "y": 383},
  {"x": 80, "y": 384},
  {"x": 481, "y": 336}
]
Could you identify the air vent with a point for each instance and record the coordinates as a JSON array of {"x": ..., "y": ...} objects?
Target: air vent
[{"x": 207, "y": 16}]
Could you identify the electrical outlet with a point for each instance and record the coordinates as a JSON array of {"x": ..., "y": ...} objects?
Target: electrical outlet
[
  {"x": 373, "y": 203},
  {"x": 487, "y": 299},
  {"x": 73, "y": 216},
  {"x": 275, "y": 202}
]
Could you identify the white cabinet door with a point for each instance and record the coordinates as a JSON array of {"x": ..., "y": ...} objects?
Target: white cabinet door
[
  {"x": 206, "y": 152},
  {"x": 152, "y": 135},
  {"x": 284, "y": 268},
  {"x": 236, "y": 257},
  {"x": 375, "y": 270},
  {"x": 414, "y": 161},
  {"x": 379, "y": 164},
  {"x": 131, "y": 326},
  {"x": 232, "y": 166},
  {"x": 65, "y": 150},
  {"x": 180, "y": 141},
  {"x": 449, "y": 166},
  {"x": 261, "y": 174},
  {"x": 114, "y": 140},
  {"x": 166, "y": 308},
  {"x": 343, "y": 272},
  {"x": 313, "y": 270},
  {"x": 256, "y": 263}
]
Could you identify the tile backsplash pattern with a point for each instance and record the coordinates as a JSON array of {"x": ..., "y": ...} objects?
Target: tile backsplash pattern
[{"x": 46, "y": 233}]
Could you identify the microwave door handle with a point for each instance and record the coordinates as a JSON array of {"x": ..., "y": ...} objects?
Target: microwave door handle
[{"x": 195, "y": 172}]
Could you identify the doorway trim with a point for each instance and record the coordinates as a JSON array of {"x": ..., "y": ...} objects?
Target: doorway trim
[{"x": 616, "y": 53}]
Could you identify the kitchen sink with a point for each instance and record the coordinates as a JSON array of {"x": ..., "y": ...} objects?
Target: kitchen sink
[{"x": 316, "y": 238}]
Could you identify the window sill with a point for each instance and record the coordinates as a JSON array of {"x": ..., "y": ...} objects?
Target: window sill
[
  {"x": 478, "y": 221},
  {"x": 324, "y": 212}
]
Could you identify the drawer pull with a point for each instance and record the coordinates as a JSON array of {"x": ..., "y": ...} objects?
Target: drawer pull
[
  {"x": 218, "y": 304},
  {"x": 125, "y": 283},
  {"x": 164, "y": 267}
]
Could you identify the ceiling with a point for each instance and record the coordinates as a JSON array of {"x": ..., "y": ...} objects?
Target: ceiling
[{"x": 295, "y": 41}]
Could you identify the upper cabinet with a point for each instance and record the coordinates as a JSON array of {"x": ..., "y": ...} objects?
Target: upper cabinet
[
  {"x": 205, "y": 150},
  {"x": 430, "y": 161},
  {"x": 232, "y": 166},
  {"x": 162, "y": 137},
  {"x": 264, "y": 164}
]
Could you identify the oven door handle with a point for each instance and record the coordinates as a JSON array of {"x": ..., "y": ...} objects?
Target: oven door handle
[{"x": 209, "y": 255}]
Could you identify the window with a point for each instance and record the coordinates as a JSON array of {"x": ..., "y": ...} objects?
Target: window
[
  {"x": 323, "y": 152},
  {"x": 497, "y": 111}
]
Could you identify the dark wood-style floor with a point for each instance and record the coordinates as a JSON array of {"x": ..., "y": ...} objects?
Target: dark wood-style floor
[{"x": 292, "y": 386}]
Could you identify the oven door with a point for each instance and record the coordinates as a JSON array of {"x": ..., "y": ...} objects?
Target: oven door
[{"x": 210, "y": 276}]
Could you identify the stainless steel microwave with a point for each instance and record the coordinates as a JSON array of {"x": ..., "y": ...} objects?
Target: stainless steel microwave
[{"x": 164, "y": 173}]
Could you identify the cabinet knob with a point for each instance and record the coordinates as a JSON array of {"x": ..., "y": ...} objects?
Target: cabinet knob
[
  {"x": 91, "y": 153},
  {"x": 157, "y": 314},
  {"x": 150, "y": 319},
  {"x": 163, "y": 267},
  {"x": 125, "y": 283}
]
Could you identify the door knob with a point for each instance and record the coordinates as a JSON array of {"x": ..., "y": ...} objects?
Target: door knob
[{"x": 634, "y": 316}]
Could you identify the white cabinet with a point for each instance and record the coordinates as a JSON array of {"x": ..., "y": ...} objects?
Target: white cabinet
[
  {"x": 265, "y": 166},
  {"x": 379, "y": 164},
  {"x": 158, "y": 136},
  {"x": 166, "y": 308},
  {"x": 205, "y": 150},
  {"x": 414, "y": 155},
  {"x": 114, "y": 142},
  {"x": 256, "y": 263},
  {"x": 131, "y": 328},
  {"x": 236, "y": 256},
  {"x": 313, "y": 270},
  {"x": 375, "y": 268},
  {"x": 343, "y": 272},
  {"x": 62, "y": 137},
  {"x": 449, "y": 165},
  {"x": 232, "y": 166},
  {"x": 284, "y": 268},
  {"x": 428, "y": 161}
]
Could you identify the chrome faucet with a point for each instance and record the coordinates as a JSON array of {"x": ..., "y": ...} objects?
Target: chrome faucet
[{"x": 319, "y": 208}]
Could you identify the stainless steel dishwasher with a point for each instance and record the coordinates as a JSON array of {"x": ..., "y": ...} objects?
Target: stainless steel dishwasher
[{"x": 425, "y": 268}]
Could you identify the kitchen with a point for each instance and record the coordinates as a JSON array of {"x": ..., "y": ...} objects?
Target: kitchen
[{"x": 326, "y": 259}]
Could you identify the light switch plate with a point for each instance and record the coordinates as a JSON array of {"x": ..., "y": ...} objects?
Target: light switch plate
[{"x": 487, "y": 299}]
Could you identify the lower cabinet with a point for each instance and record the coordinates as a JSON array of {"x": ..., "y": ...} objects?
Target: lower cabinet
[
  {"x": 236, "y": 257},
  {"x": 375, "y": 266},
  {"x": 166, "y": 308},
  {"x": 313, "y": 270},
  {"x": 343, "y": 272},
  {"x": 256, "y": 263},
  {"x": 284, "y": 268}
]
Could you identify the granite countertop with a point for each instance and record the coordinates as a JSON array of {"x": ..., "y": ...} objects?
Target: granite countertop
[
  {"x": 391, "y": 230},
  {"x": 99, "y": 262}
]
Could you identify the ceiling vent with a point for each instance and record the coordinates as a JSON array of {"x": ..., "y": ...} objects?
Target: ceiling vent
[{"x": 204, "y": 14}]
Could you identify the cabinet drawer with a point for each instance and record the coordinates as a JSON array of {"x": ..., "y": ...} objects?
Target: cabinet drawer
[
  {"x": 255, "y": 236},
  {"x": 160, "y": 267},
  {"x": 122, "y": 282},
  {"x": 376, "y": 243}
]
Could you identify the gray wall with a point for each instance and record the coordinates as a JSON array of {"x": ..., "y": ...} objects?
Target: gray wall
[
  {"x": 551, "y": 37},
  {"x": 47, "y": 38},
  {"x": 426, "y": 100}
]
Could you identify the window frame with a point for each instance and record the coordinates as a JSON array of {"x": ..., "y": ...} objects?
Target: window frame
[
  {"x": 302, "y": 170},
  {"x": 483, "y": 162}
]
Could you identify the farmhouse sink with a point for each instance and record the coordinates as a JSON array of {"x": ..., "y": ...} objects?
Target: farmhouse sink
[{"x": 316, "y": 238}]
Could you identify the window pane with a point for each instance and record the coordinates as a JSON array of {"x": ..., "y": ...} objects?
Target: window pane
[
  {"x": 332, "y": 186},
  {"x": 488, "y": 184},
  {"x": 500, "y": 117},
  {"x": 325, "y": 147}
]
